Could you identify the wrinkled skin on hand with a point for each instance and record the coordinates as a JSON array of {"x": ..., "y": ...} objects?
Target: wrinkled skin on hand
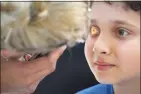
[{"x": 22, "y": 77}]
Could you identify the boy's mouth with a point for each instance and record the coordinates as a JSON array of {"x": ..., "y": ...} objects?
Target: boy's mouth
[
  {"x": 102, "y": 63},
  {"x": 103, "y": 66}
]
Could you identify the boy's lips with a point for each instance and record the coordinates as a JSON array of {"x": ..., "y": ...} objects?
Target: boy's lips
[
  {"x": 103, "y": 66},
  {"x": 101, "y": 63}
]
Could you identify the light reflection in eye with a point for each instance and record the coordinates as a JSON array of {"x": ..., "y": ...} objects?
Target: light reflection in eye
[{"x": 94, "y": 31}]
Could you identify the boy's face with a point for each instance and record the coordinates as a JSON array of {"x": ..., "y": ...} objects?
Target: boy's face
[{"x": 115, "y": 39}]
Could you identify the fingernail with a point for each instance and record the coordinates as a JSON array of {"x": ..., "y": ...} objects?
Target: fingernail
[{"x": 28, "y": 56}]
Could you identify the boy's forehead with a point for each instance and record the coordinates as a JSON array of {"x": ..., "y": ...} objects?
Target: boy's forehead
[
  {"x": 125, "y": 5},
  {"x": 102, "y": 9},
  {"x": 104, "y": 12},
  {"x": 121, "y": 5}
]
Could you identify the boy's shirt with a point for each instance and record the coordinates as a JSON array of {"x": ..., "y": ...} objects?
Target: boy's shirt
[{"x": 98, "y": 89}]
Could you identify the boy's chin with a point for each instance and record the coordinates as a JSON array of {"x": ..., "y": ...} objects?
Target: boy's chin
[{"x": 107, "y": 80}]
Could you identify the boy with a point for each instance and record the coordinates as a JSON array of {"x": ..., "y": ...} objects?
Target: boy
[{"x": 112, "y": 48}]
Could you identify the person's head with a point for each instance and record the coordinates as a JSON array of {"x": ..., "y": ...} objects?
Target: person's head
[
  {"x": 40, "y": 27},
  {"x": 112, "y": 48}
]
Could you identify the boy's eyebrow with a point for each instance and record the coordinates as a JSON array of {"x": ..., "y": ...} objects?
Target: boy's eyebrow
[
  {"x": 118, "y": 22},
  {"x": 122, "y": 23},
  {"x": 93, "y": 21}
]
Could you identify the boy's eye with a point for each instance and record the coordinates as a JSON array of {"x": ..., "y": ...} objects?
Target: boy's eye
[
  {"x": 94, "y": 31},
  {"x": 122, "y": 32}
]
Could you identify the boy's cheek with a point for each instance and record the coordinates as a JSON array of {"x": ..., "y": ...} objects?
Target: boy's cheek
[
  {"x": 129, "y": 57},
  {"x": 89, "y": 49}
]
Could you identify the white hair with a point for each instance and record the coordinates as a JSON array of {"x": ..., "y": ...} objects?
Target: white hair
[{"x": 42, "y": 26}]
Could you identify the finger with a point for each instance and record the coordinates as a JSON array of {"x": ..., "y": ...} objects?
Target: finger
[
  {"x": 36, "y": 65},
  {"x": 54, "y": 56},
  {"x": 48, "y": 62}
]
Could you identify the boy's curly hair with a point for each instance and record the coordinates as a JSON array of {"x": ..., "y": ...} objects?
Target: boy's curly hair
[{"x": 136, "y": 6}]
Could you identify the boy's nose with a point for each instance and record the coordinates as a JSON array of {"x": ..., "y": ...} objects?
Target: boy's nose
[{"x": 102, "y": 47}]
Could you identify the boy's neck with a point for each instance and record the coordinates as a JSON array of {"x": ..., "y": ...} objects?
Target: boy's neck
[{"x": 128, "y": 87}]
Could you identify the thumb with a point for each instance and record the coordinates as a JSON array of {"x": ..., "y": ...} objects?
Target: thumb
[{"x": 54, "y": 56}]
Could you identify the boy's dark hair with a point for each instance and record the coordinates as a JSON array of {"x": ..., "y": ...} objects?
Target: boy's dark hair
[{"x": 134, "y": 5}]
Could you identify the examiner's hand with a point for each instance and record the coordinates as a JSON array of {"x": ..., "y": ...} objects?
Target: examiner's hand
[{"x": 22, "y": 77}]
